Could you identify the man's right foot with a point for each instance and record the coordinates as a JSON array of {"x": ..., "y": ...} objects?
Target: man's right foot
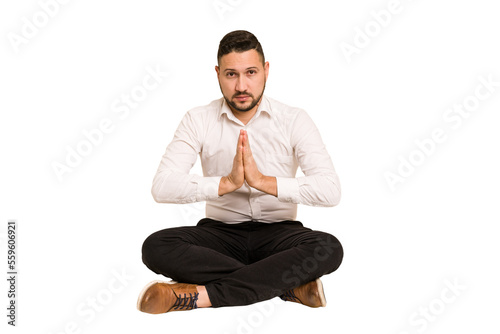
[
  {"x": 310, "y": 294},
  {"x": 161, "y": 297}
]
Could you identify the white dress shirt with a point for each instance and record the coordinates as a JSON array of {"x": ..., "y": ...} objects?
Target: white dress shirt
[{"x": 281, "y": 138}]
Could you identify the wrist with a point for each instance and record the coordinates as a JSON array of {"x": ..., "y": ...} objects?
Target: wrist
[
  {"x": 223, "y": 186},
  {"x": 267, "y": 184},
  {"x": 226, "y": 186}
]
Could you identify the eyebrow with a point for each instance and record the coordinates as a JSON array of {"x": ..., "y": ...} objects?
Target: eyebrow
[{"x": 248, "y": 68}]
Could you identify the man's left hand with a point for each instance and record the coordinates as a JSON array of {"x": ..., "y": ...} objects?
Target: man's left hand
[{"x": 254, "y": 178}]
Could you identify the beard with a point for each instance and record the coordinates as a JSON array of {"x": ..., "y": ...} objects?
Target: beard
[{"x": 252, "y": 104}]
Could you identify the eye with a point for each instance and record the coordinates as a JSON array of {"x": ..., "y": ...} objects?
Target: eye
[
  {"x": 230, "y": 74},
  {"x": 252, "y": 72}
]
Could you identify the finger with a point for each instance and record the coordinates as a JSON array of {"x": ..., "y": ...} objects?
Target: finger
[
  {"x": 246, "y": 143},
  {"x": 239, "y": 147},
  {"x": 242, "y": 137},
  {"x": 240, "y": 142}
]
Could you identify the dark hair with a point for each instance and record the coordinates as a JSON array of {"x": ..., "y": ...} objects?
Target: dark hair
[{"x": 239, "y": 41}]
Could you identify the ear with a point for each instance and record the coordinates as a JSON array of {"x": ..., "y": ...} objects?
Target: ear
[
  {"x": 217, "y": 69},
  {"x": 266, "y": 68}
]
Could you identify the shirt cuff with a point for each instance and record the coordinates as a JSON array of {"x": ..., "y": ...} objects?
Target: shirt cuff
[
  {"x": 208, "y": 188},
  {"x": 288, "y": 190}
]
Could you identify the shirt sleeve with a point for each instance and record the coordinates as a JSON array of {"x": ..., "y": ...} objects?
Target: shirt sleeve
[
  {"x": 173, "y": 183},
  {"x": 320, "y": 185}
]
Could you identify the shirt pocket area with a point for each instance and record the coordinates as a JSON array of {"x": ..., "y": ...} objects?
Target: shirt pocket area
[{"x": 280, "y": 165}]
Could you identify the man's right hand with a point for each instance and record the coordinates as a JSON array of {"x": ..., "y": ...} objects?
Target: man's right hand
[{"x": 236, "y": 178}]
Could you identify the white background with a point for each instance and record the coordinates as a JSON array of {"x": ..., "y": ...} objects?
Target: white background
[{"x": 403, "y": 246}]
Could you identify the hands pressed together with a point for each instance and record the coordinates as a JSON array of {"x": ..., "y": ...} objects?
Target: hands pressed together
[{"x": 245, "y": 169}]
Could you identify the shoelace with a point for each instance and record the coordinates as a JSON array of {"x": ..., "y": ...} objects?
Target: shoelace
[
  {"x": 186, "y": 303},
  {"x": 289, "y": 296}
]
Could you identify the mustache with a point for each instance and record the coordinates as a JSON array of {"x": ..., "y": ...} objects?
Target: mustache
[{"x": 242, "y": 94}]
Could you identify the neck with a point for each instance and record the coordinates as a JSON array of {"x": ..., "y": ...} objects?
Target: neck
[{"x": 246, "y": 116}]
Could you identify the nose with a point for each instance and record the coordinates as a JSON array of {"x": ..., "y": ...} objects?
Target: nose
[{"x": 241, "y": 84}]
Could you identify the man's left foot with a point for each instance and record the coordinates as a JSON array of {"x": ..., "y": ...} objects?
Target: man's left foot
[{"x": 310, "y": 294}]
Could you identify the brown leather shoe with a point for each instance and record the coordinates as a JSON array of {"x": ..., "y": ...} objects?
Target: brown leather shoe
[
  {"x": 161, "y": 297},
  {"x": 310, "y": 294}
]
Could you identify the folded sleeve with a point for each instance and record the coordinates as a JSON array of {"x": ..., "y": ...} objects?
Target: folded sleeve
[
  {"x": 320, "y": 185},
  {"x": 173, "y": 182}
]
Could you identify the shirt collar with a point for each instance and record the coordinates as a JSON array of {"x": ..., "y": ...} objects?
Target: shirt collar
[{"x": 263, "y": 106}]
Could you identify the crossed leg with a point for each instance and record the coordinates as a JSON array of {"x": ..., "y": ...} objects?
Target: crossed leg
[{"x": 240, "y": 264}]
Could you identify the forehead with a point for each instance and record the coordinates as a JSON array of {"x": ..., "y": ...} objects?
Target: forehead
[{"x": 241, "y": 60}]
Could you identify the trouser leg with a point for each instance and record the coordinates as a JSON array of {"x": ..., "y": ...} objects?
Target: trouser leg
[
  {"x": 243, "y": 263},
  {"x": 282, "y": 256},
  {"x": 195, "y": 254}
]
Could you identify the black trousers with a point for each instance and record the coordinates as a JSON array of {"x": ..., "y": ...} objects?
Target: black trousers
[{"x": 244, "y": 263}]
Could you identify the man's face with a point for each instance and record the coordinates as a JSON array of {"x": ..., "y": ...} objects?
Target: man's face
[{"x": 242, "y": 79}]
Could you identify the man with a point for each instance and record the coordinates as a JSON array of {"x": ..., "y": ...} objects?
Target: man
[{"x": 249, "y": 248}]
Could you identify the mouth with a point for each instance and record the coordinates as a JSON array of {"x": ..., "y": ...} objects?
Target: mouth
[{"x": 242, "y": 98}]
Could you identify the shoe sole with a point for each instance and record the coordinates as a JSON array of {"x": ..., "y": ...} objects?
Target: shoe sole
[
  {"x": 321, "y": 292},
  {"x": 150, "y": 284}
]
